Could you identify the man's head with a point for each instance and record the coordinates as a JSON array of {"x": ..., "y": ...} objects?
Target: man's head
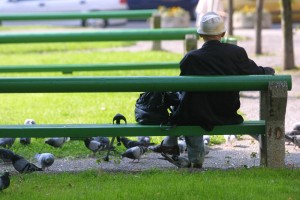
[{"x": 211, "y": 26}]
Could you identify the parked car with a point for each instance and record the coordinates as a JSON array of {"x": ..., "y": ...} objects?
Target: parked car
[
  {"x": 189, "y": 5},
  {"x": 43, "y": 6}
]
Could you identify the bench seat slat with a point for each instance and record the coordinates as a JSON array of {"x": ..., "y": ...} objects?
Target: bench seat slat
[{"x": 89, "y": 130}]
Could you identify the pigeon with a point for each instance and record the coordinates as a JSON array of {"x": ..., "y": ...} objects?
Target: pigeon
[
  {"x": 294, "y": 137},
  {"x": 289, "y": 136},
  {"x": 45, "y": 160},
  {"x": 296, "y": 127},
  {"x": 178, "y": 161},
  {"x": 4, "y": 181},
  {"x": 206, "y": 139},
  {"x": 129, "y": 143},
  {"x": 230, "y": 139},
  {"x": 293, "y": 133},
  {"x": 103, "y": 140},
  {"x": 95, "y": 146},
  {"x": 7, "y": 142},
  {"x": 206, "y": 149},
  {"x": 6, "y": 155},
  {"x": 144, "y": 139},
  {"x": 118, "y": 117},
  {"x": 134, "y": 153},
  {"x": 27, "y": 141},
  {"x": 297, "y": 140},
  {"x": 182, "y": 145},
  {"x": 57, "y": 142},
  {"x": 23, "y": 166}
]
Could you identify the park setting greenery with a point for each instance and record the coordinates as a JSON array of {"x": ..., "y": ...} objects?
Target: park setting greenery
[{"x": 97, "y": 108}]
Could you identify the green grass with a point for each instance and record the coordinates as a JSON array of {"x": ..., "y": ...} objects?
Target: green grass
[
  {"x": 77, "y": 107},
  {"x": 260, "y": 183},
  {"x": 16, "y": 49}
]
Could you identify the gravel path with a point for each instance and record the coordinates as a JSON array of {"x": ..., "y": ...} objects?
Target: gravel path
[{"x": 220, "y": 156}]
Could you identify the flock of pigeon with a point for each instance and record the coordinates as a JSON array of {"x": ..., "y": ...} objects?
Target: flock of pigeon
[{"x": 134, "y": 149}]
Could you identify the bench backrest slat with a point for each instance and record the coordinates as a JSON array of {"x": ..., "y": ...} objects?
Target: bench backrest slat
[
  {"x": 104, "y": 35},
  {"x": 88, "y": 67},
  {"x": 140, "y": 83},
  {"x": 129, "y": 14}
]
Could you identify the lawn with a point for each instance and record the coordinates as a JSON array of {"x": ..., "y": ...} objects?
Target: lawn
[{"x": 248, "y": 184}]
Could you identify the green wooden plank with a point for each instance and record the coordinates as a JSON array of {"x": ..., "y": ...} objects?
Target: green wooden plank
[
  {"x": 140, "y": 83},
  {"x": 129, "y": 14},
  {"x": 88, "y": 67},
  {"x": 89, "y": 130},
  {"x": 104, "y": 35}
]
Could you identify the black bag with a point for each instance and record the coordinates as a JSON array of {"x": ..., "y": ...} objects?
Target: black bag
[{"x": 153, "y": 108}]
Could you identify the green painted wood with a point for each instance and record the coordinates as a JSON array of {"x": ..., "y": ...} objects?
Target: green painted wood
[
  {"x": 89, "y": 130},
  {"x": 103, "y": 35},
  {"x": 129, "y": 14},
  {"x": 88, "y": 67},
  {"x": 140, "y": 83}
]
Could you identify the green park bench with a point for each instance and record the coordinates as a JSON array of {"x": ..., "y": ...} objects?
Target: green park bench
[
  {"x": 114, "y": 14},
  {"x": 271, "y": 125}
]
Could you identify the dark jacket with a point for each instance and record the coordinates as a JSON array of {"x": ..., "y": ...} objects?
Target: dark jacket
[{"x": 208, "y": 109}]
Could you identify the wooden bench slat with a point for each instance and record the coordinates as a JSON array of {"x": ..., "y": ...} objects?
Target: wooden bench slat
[
  {"x": 140, "y": 83},
  {"x": 88, "y": 67},
  {"x": 105, "y": 35},
  {"x": 89, "y": 130},
  {"x": 129, "y": 14}
]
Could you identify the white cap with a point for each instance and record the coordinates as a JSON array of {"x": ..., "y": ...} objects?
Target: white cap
[{"x": 211, "y": 24}]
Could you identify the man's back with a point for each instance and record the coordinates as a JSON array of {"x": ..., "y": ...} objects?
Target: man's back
[{"x": 213, "y": 108}]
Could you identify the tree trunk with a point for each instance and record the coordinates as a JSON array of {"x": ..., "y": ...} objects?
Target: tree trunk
[
  {"x": 230, "y": 17},
  {"x": 258, "y": 25},
  {"x": 287, "y": 28}
]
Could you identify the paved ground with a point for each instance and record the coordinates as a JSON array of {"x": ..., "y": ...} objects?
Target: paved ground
[{"x": 220, "y": 156}]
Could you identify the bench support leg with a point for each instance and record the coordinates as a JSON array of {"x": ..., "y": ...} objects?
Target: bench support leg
[
  {"x": 156, "y": 23},
  {"x": 273, "y": 109},
  {"x": 190, "y": 43}
]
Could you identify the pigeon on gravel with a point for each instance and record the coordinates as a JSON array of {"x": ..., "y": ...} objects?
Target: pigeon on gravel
[
  {"x": 296, "y": 127},
  {"x": 134, "y": 153},
  {"x": 96, "y": 146},
  {"x": 4, "y": 181},
  {"x": 7, "y": 142},
  {"x": 23, "y": 166},
  {"x": 178, "y": 161},
  {"x": 206, "y": 139},
  {"x": 45, "y": 160},
  {"x": 129, "y": 143},
  {"x": 102, "y": 140},
  {"x": 297, "y": 140},
  {"x": 230, "y": 139},
  {"x": 293, "y": 137},
  {"x": 6, "y": 155},
  {"x": 182, "y": 145},
  {"x": 57, "y": 142},
  {"x": 27, "y": 141},
  {"x": 144, "y": 139}
]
